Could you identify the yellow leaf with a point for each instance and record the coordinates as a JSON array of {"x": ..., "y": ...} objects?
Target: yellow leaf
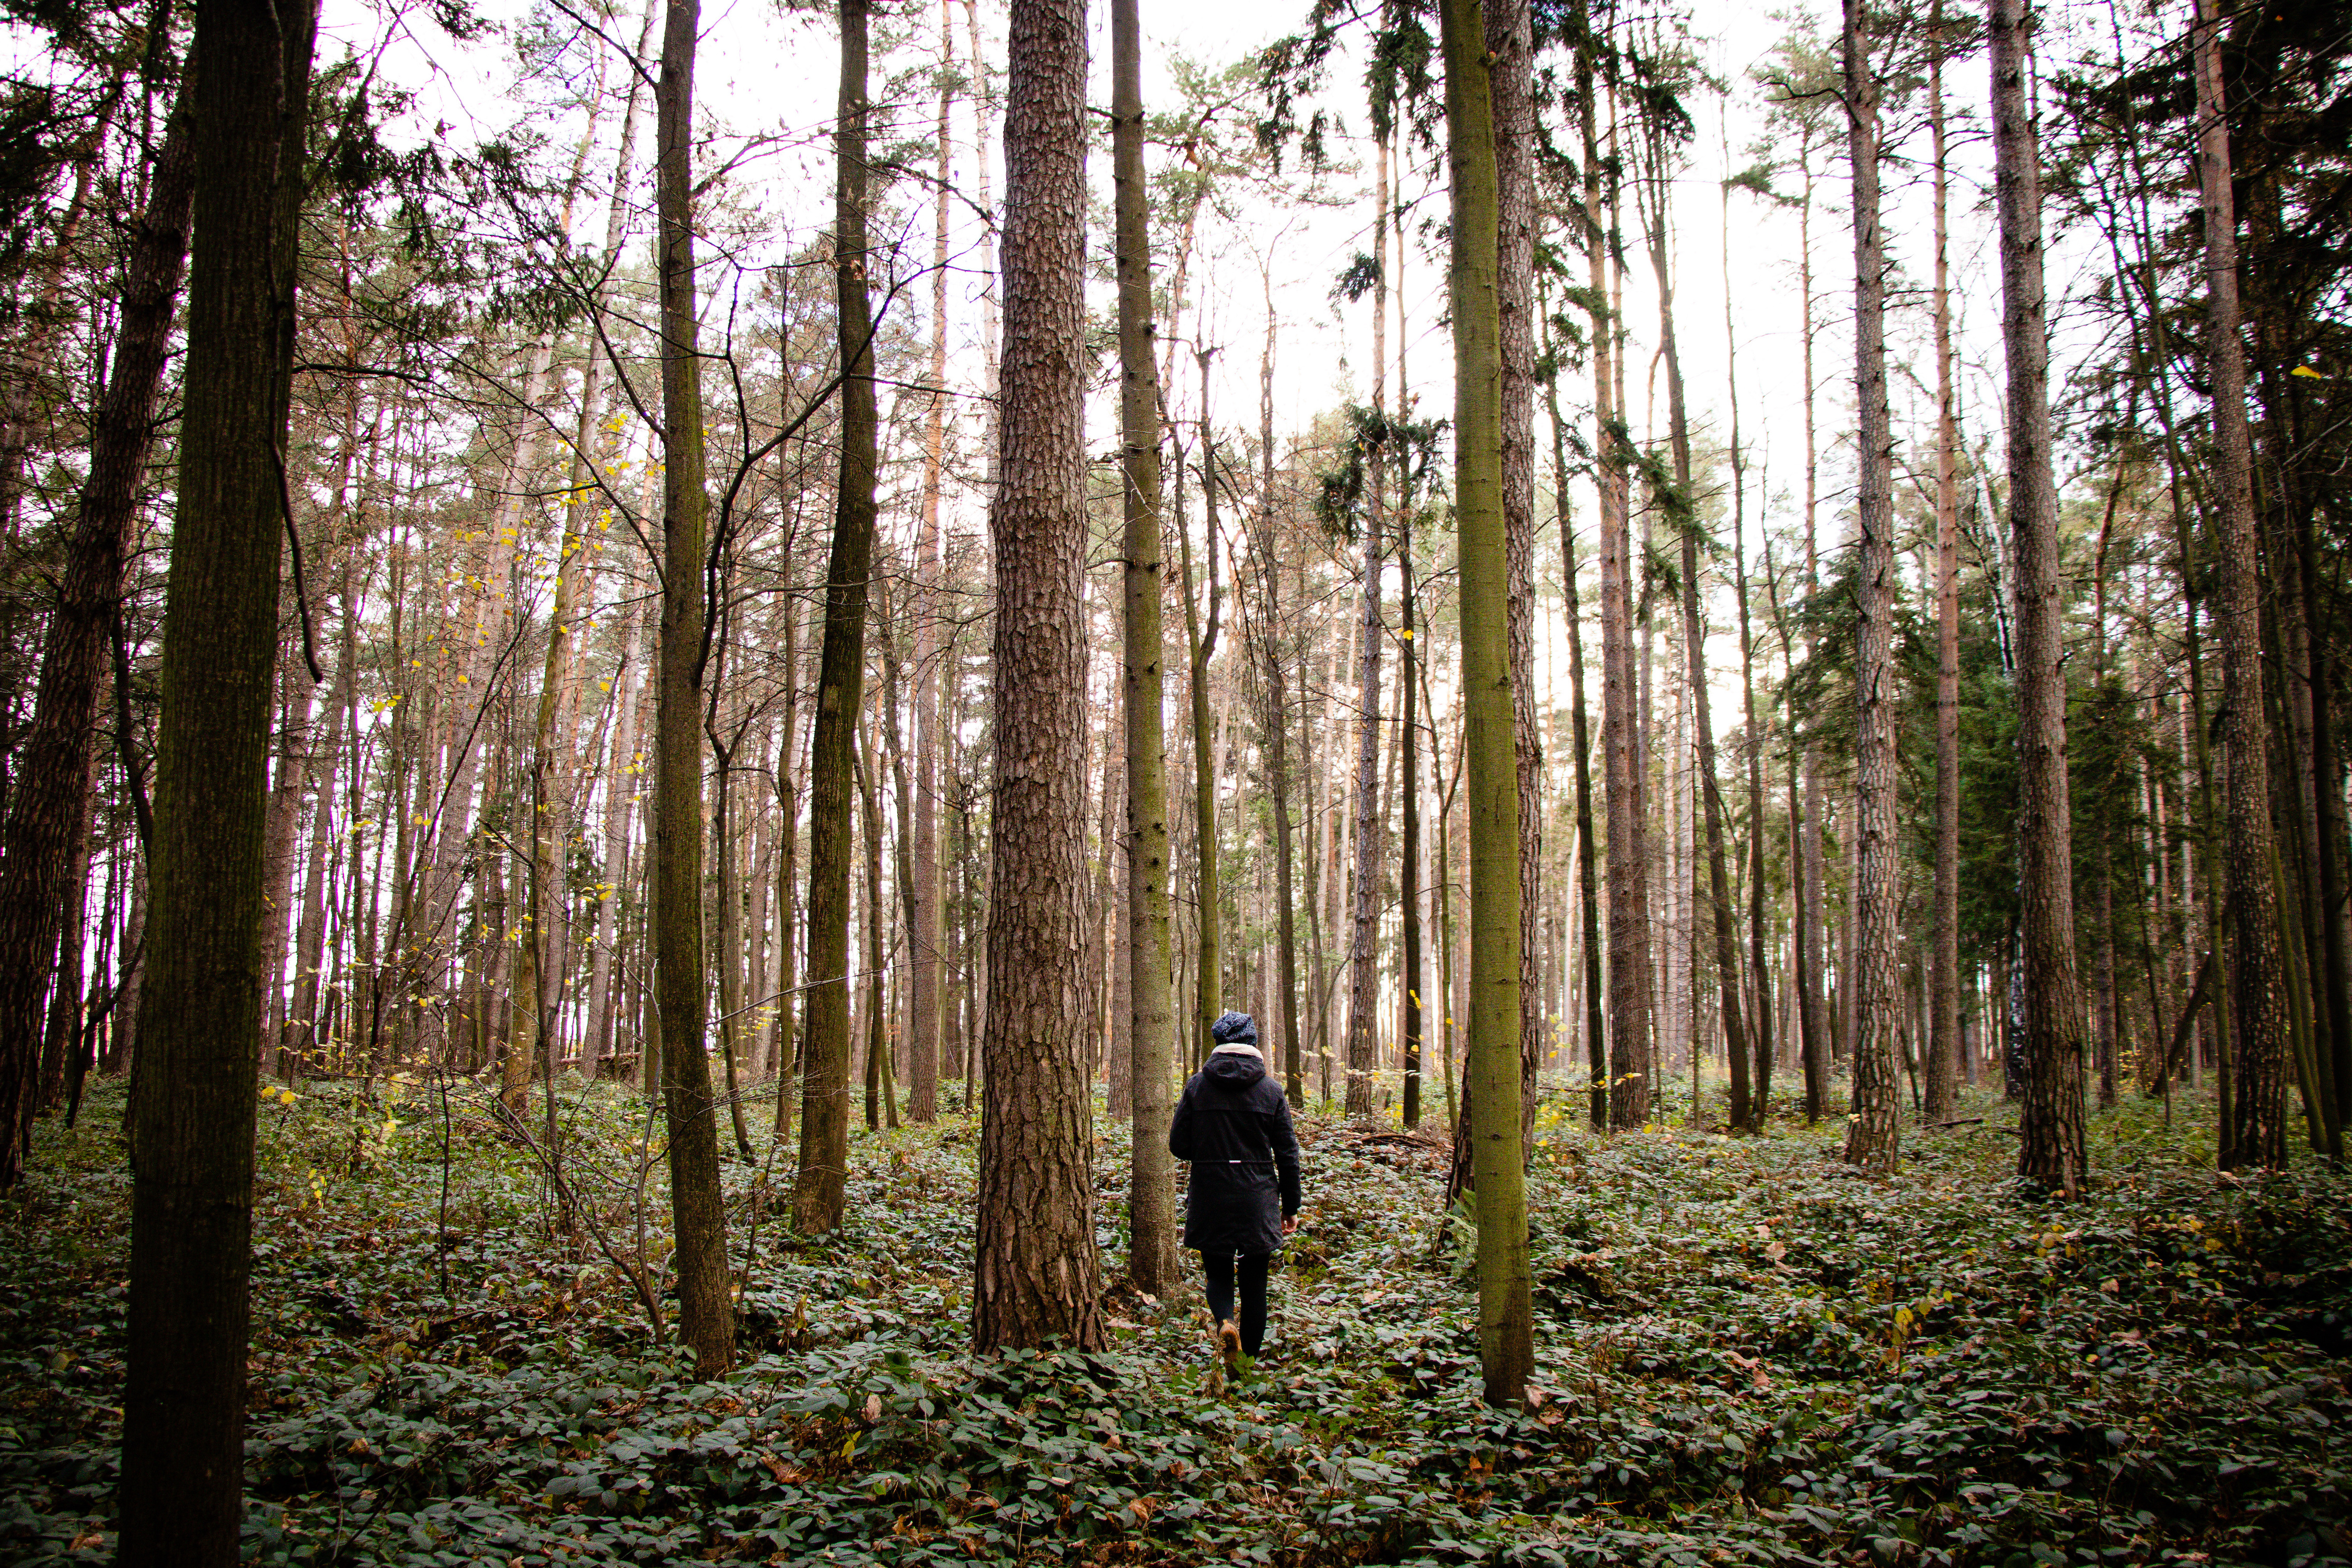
[{"x": 2304, "y": 369}]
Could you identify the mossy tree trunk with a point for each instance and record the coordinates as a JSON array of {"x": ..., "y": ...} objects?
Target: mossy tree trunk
[
  {"x": 706, "y": 1313},
  {"x": 1504, "y": 1315},
  {"x": 820, "y": 1190}
]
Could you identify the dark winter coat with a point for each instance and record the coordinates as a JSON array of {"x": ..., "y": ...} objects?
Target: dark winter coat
[{"x": 1234, "y": 1125}]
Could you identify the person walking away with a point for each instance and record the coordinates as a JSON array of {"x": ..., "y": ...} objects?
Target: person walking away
[{"x": 1234, "y": 1125}]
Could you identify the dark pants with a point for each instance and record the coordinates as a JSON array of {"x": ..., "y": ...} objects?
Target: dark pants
[{"x": 1220, "y": 1268}]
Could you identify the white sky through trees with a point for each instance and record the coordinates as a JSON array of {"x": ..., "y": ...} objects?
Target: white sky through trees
[{"x": 765, "y": 87}]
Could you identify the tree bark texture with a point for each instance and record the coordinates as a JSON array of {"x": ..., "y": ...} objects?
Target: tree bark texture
[
  {"x": 1370, "y": 834},
  {"x": 2257, "y": 1133},
  {"x": 1629, "y": 926},
  {"x": 1510, "y": 68},
  {"x": 2050, "y": 1126},
  {"x": 1944, "y": 959},
  {"x": 1874, "y": 1138},
  {"x": 192, "y": 1196},
  {"x": 1036, "y": 1273},
  {"x": 927, "y": 931},
  {"x": 49, "y": 798}
]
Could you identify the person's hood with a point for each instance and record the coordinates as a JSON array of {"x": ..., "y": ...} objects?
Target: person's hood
[
  {"x": 1234, "y": 1028},
  {"x": 1234, "y": 1065}
]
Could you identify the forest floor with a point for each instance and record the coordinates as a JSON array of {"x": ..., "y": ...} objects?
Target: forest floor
[{"x": 1747, "y": 1353}]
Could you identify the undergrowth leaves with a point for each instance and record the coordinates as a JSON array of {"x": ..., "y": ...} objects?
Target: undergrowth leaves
[{"x": 1746, "y": 1353}]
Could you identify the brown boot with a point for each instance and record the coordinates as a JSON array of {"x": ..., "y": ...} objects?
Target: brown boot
[{"x": 1229, "y": 1348}]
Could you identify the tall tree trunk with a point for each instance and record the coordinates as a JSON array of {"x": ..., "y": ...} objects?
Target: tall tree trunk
[
  {"x": 2334, "y": 961},
  {"x": 1873, "y": 1137},
  {"x": 1038, "y": 1275},
  {"x": 1944, "y": 1002},
  {"x": 726, "y": 925},
  {"x": 1726, "y": 921},
  {"x": 788, "y": 831},
  {"x": 546, "y": 793},
  {"x": 301, "y": 1038},
  {"x": 1203, "y": 645},
  {"x": 1580, "y": 733},
  {"x": 621, "y": 773},
  {"x": 879, "y": 1104},
  {"x": 1811, "y": 892},
  {"x": 926, "y": 933},
  {"x": 705, "y": 1311},
  {"x": 1506, "y": 1320},
  {"x": 1510, "y": 66},
  {"x": 2257, "y": 1131},
  {"x": 424, "y": 936},
  {"x": 1759, "y": 1094},
  {"x": 191, "y": 1197},
  {"x": 2050, "y": 1130},
  {"x": 819, "y": 1191},
  {"x": 49, "y": 802},
  {"x": 1629, "y": 924},
  {"x": 1152, "y": 1205},
  {"x": 1370, "y": 834},
  {"x": 1274, "y": 687},
  {"x": 1409, "y": 737}
]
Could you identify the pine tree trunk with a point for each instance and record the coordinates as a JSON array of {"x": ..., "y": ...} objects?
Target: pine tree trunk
[
  {"x": 1038, "y": 1275},
  {"x": 302, "y": 1039},
  {"x": 926, "y": 933},
  {"x": 1504, "y": 1315},
  {"x": 1621, "y": 718},
  {"x": 49, "y": 799},
  {"x": 1510, "y": 65},
  {"x": 1812, "y": 902},
  {"x": 1370, "y": 832},
  {"x": 1944, "y": 1002},
  {"x": 425, "y": 936},
  {"x": 546, "y": 793},
  {"x": 2256, "y": 1123},
  {"x": 2049, "y": 1127},
  {"x": 1874, "y": 1138},
  {"x": 192, "y": 1196},
  {"x": 706, "y": 1310}
]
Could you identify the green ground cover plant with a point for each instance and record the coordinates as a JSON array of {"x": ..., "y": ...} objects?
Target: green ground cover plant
[{"x": 1747, "y": 1353}]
